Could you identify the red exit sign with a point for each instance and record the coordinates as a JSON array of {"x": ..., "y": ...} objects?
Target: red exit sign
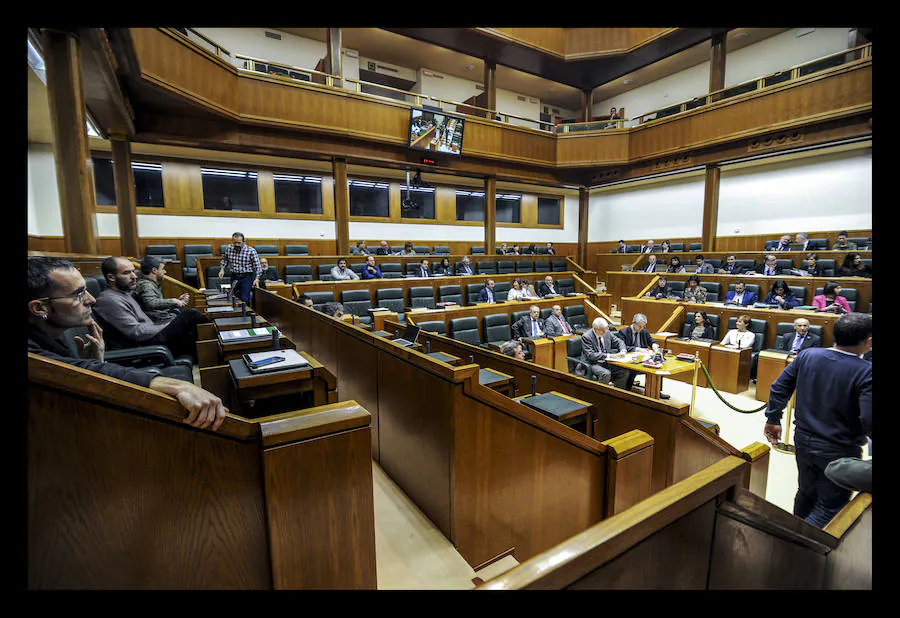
[{"x": 428, "y": 161}]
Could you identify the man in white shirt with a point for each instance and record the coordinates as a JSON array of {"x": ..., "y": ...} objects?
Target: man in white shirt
[
  {"x": 648, "y": 248},
  {"x": 802, "y": 240},
  {"x": 547, "y": 287},
  {"x": 341, "y": 272},
  {"x": 651, "y": 264}
]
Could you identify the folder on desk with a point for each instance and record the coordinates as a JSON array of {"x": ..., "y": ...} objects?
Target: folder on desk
[
  {"x": 246, "y": 334},
  {"x": 290, "y": 360}
]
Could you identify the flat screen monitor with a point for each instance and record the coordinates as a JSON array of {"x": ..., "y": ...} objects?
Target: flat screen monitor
[{"x": 435, "y": 131}]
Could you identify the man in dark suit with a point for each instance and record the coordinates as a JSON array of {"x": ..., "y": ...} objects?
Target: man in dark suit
[
  {"x": 486, "y": 295},
  {"x": 637, "y": 337},
  {"x": 730, "y": 266},
  {"x": 740, "y": 296},
  {"x": 784, "y": 244},
  {"x": 648, "y": 248},
  {"x": 530, "y": 325},
  {"x": 384, "y": 249},
  {"x": 598, "y": 345},
  {"x": 801, "y": 338},
  {"x": 621, "y": 248},
  {"x": 556, "y": 325},
  {"x": 465, "y": 267},
  {"x": 547, "y": 286},
  {"x": 769, "y": 268},
  {"x": 422, "y": 270},
  {"x": 650, "y": 266}
]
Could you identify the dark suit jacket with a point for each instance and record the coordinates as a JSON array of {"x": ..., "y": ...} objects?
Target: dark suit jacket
[
  {"x": 591, "y": 351},
  {"x": 380, "y": 251},
  {"x": 522, "y": 328},
  {"x": 748, "y": 299},
  {"x": 632, "y": 341},
  {"x": 737, "y": 270},
  {"x": 790, "y": 301},
  {"x": 553, "y": 326},
  {"x": 460, "y": 269},
  {"x": 618, "y": 250},
  {"x": 787, "y": 342},
  {"x": 657, "y": 291},
  {"x": 483, "y": 295},
  {"x": 423, "y": 272},
  {"x": 543, "y": 290},
  {"x": 781, "y": 247},
  {"x": 761, "y": 269}
]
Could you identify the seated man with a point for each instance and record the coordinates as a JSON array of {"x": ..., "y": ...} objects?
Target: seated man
[
  {"x": 342, "y": 273},
  {"x": 514, "y": 349},
  {"x": 784, "y": 244},
  {"x": 58, "y": 301},
  {"x": 556, "y": 325},
  {"x": 703, "y": 268},
  {"x": 730, "y": 266},
  {"x": 305, "y": 300},
  {"x": 650, "y": 267},
  {"x": 597, "y": 346},
  {"x": 121, "y": 312},
  {"x": 335, "y": 310},
  {"x": 384, "y": 249},
  {"x": 371, "y": 271},
  {"x": 148, "y": 292},
  {"x": 621, "y": 248},
  {"x": 486, "y": 295},
  {"x": 648, "y": 248},
  {"x": 769, "y": 268},
  {"x": 800, "y": 339},
  {"x": 637, "y": 339},
  {"x": 547, "y": 287},
  {"x": 423, "y": 270},
  {"x": 266, "y": 274},
  {"x": 843, "y": 244},
  {"x": 361, "y": 247},
  {"x": 530, "y": 325},
  {"x": 739, "y": 295},
  {"x": 465, "y": 267}
]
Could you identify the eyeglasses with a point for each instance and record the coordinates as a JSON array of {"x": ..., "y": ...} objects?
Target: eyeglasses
[{"x": 77, "y": 295}]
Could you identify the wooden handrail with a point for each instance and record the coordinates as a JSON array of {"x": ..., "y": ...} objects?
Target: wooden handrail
[
  {"x": 665, "y": 326},
  {"x": 653, "y": 281},
  {"x": 841, "y": 523}
]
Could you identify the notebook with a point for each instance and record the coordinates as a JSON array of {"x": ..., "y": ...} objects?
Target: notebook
[
  {"x": 273, "y": 360},
  {"x": 246, "y": 334},
  {"x": 410, "y": 335}
]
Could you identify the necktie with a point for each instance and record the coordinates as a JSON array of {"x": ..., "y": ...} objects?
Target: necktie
[
  {"x": 533, "y": 328},
  {"x": 798, "y": 340},
  {"x": 602, "y": 347},
  {"x": 564, "y": 327}
]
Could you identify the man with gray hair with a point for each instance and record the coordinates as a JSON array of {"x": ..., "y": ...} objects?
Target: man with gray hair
[
  {"x": 636, "y": 339},
  {"x": 513, "y": 348},
  {"x": 597, "y": 346},
  {"x": 801, "y": 239},
  {"x": 556, "y": 325}
]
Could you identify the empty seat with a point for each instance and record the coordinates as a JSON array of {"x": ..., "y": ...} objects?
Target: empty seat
[
  {"x": 421, "y": 296},
  {"x": 266, "y": 249},
  {"x": 851, "y": 294},
  {"x": 433, "y": 326},
  {"x": 505, "y": 266},
  {"x": 163, "y": 252},
  {"x": 771, "y": 244},
  {"x": 450, "y": 293},
  {"x": 695, "y": 246},
  {"x": 472, "y": 291},
  {"x": 466, "y": 330},
  {"x": 817, "y": 244},
  {"x": 358, "y": 268},
  {"x": 784, "y": 266},
  {"x": 488, "y": 268},
  {"x": 392, "y": 270},
  {"x": 826, "y": 265},
  {"x": 524, "y": 266},
  {"x": 477, "y": 250},
  {"x": 715, "y": 262},
  {"x": 689, "y": 325},
  {"x": 783, "y": 328},
  {"x": 325, "y": 271},
  {"x": 320, "y": 298},
  {"x": 296, "y": 273},
  {"x": 713, "y": 293},
  {"x": 861, "y": 243},
  {"x": 358, "y": 302},
  {"x": 545, "y": 312},
  {"x": 632, "y": 248},
  {"x": 92, "y": 286},
  {"x": 558, "y": 265},
  {"x": 867, "y": 262},
  {"x": 575, "y": 316},
  {"x": 573, "y": 353},
  {"x": 296, "y": 250},
  {"x": 496, "y": 328},
  {"x": 542, "y": 266},
  {"x": 191, "y": 253},
  {"x": 501, "y": 290},
  {"x": 421, "y": 250},
  {"x": 441, "y": 250},
  {"x": 391, "y": 298},
  {"x": 741, "y": 266},
  {"x": 411, "y": 268},
  {"x": 677, "y": 288},
  {"x": 799, "y": 293},
  {"x": 676, "y": 246},
  {"x": 566, "y": 286}
]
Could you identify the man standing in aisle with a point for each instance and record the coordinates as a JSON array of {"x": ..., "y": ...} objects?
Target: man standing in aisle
[
  {"x": 243, "y": 262},
  {"x": 833, "y": 413}
]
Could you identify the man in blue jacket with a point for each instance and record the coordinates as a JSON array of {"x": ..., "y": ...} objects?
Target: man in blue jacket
[
  {"x": 739, "y": 295},
  {"x": 371, "y": 271},
  {"x": 833, "y": 413}
]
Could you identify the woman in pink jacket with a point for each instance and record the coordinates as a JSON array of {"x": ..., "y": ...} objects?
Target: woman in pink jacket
[{"x": 830, "y": 299}]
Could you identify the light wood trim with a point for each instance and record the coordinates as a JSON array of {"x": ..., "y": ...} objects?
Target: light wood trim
[
  {"x": 755, "y": 451},
  {"x": 341, "y": 207},
  {"x": 312, "y": 423},
  {"x": 849, "y": 515},
  {"x": 710, "y": 207},
  {"x": 490, "y": 215},
  {"x": 628, "y": 443},
  {"x": 653, "y": 281},
  {"x": 265, "y": 190},
  {"x": 675, "y": 317},
  {"x": 126, "y": 204}
]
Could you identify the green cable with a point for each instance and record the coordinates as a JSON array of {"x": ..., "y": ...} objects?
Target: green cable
[{"x": 716, "y": 391}]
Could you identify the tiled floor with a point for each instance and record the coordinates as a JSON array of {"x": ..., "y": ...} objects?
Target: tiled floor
[{"x": 412, "y": 554}]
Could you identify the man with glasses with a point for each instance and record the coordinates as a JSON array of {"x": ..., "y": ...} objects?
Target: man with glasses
[
  {"x": 120, "y": 312},
  {"x": 58, "y": 301}
]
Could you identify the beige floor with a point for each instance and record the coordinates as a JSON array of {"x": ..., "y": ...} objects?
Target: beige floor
[{"x": 411, "y": 554}]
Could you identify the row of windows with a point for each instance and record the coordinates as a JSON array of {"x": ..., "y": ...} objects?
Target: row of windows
[{"x": 237, "y": 190}]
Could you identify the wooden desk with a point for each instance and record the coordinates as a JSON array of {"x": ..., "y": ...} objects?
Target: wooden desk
[
  {"x": 653, "y": 375},
  {"x": 239, "y": 323},
  {"x": 698, "y": 348},
  {"x": 542, "y": 350},
  {"x": 213, "y": 352},
  {"x": 290, "y": 389},
  {"x": 280, "y": 287},
  {"x": 378, "y": 318},
  {"x": 497, "y": 380},
  {"x": 583, "y": 413},
  {"x": 221, "y": 312},
  {"x": 769, "y": 366},
  {"x": 445, "y": 358},
  {"x": 729, "y": 368}
]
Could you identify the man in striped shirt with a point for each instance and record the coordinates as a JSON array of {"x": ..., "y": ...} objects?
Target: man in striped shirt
[{"x": 243, "y": 262}]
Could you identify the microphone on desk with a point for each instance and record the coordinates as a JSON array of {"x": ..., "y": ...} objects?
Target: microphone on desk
[
  {"x": 252, "y": 320},
  {"x": 533, "y": 385},
  {"x": 244, "y": 311},
  {"x": 471, "y": 359},
  {"x": 274, "y": 339},
  {"x": 428, "y": 346}
]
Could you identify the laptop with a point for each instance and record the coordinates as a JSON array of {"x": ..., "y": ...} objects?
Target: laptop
[{"x": 410, "y": 335}]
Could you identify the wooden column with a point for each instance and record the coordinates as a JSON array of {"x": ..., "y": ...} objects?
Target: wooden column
[
  {"x": 710, "y": 207},
  {"x": 717, "y": 53},
  {"x": 490, "y": 84},
  {"x": 583, "y": 202},
  {"x": 65, "y": 93},
  {"x": 333, "y": 45},
  {"x": 490, "y": 214},
  {"x": 341, "y": 207},
  {"x": 587, "y": 104},
  {"x": 125, "y": 200}
]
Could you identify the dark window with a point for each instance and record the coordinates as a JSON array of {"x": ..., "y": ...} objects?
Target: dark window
[
  {"x": 300, "y": 194},
  {"x": 369, "y": 199},
  {"x": 548, "y": 210},
  {"x": 416, "y": 202},
  {"x": 508, "y": 208},
  {"x": 148, "y": 187},
  {"x": 229, "y": 190},
  {"x": 470, "y": 206}
]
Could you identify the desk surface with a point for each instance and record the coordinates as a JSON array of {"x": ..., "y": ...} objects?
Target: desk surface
[
  {"x": 244, "y": 379},
  {"x": 490, "y": 376},
  {"x": 443, "y": 357},
  {"x": 670, "y": 366},
  {"x": 556, "y": 405}
]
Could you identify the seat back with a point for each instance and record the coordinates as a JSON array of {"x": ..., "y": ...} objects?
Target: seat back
[
  {"x": 505, "y": 266},
  {"x": 465, "y": 329},
  {"x": 266, "y": 249},
  {"x": 92, "y": 286},
  {"x": 450, "y": 293},
  {"x": 712, "y": 290},
  {"x": 575, "y": 316},
  {"x": 357, "y": 302},
  {"x": 566, "y": 286},
  {"x": 192, "y": 252},
  {"x": 441, "y": 250},
  {"x": 749, "y": 287},
  {"x": 558, "y": 266},
  {"x": 325, "y": 271},
  {"x": 433, "y": 326},
  {"x": 271, "y": 272},
  {"x": 320, "y": 298},
  {"x": 573, "y": 350},
  {"x": 488, "y": 268},
  {"x": 163, "y": 252},
  {"x": 501, "y": 290},
  {"x": 212, "y": 272},
  {"x": 676, "y": 246},
  {"x": 545, "y": 312},
  {"x": 632, "y": 248},
  {"x": 757, "y": 327},
  {"x": 541, "y": 251},
  {"x": 524, "y": 266},
  {"x": 677, "y": 288},
  {"x": 817, "y": 244},
  {"x": 542, "y": 266},
  {"x": 867, "y": 262},
  {"x": 799, "y": 293},
  {"x": 295, "y": 273},
  {"x": 296, "y": 250},
  {"x": 695, "y": 246},
  {"x": 472, "y": 291},
  {"x": 741, "y": 265},
  {"x": 411, "y": 268},
  {"x": 827, "y": 265},
  {"x": 477, "y": 250},
  {"x": 518, "y": 315},
  {"x": 861, "y": 243},
  {"x": 390, "y": 298},
  {"x": 421, "y": 249},
  {"x": 392, "y": 270},
  {"x": 358, "y": 268},
  {"x": 421, "y": 296},
  {"x": 783, "y": 264},
  {"x": 496, "y": 328}
]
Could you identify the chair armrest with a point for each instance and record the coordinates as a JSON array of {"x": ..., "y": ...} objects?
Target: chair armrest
[
  {"x": 586, "y": 364},
  {"x": 144, "y": 356}
]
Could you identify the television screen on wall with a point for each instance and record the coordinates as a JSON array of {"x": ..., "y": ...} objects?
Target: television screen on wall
[{"x": 435, "y": 131}]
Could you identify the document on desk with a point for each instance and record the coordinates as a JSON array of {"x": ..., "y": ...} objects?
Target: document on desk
[
  {"x": 246, "y": 334},
  {"x": 286, "y": 359}
]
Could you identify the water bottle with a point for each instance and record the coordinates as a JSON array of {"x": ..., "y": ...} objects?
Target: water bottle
[
  {"x": 428, "y": 346},
  {"x": 252, "y": 320}
]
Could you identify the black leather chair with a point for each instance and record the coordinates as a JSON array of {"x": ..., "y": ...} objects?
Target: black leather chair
[
  {"x": 713, "y": 293},
  {"x": 518, "y": 315},
  {"x": 354, "y": 250},
  {"x": 411, "y": 268},
  {"x": 861, "y": 243},
  {"x": 677, "y": 288},
  {"x": 189, "y": 268},
  {"x": 472, "y": 291},
  {"x": 545, "y": 312},
  {"x": 867, "y": 262},
  {"x": 93, "y": 287},
  {"x": 501, "y": 290},
  {"x": 749, "y": 287},
  {"x": 441, "y": 250},
  {"x": 358, "y": 268},
  {"x": 477, "y": 250},
  {"x": 421, "y": 296},
  {"x": 632, "y": 248},
  {"x": 799, "y": 293},
  {"x": 524, "y": 266},
  {"x": 296, "y": 273},
  {"x": 817, "y": 244},
  {"x": 156, "y": 359},
  {"x": 505, "y": 267},
  {"x": 163, "y": 252},
  {"x": 421, "y": 250},
  {"x": 391, "y": 298},
  {"x": 558, "y": 266},
  {"x": 212, "y": 278},
  {"x": 325, "y": 272},
  {"x": 714, "y": 262},
  {"x": 266, "y": 249},
  {"x": 542, "y": 266},
  {"x": 573, "y": 359},
  {"x": 771, "y": 244},
  {"x": 433, "y": 326},
  {"x": 740, "y": 266},
  {"x": 392, "y": 270},
  {"x": 358, "y": 302},
  {"x": 695, "y": 246},
  {"x": 222, "y": 248},
  {"x": 320, "y": 298},
  {"x": 783, "y": 328},
  {"x": 851, "y": 294},
  {"x": 676, "y": 247},
  {"x": 541, "y": 250},
  {"x": 497, "y": 329},
  {"x": 486, "y": 268},
  {"x": 827, "y": 265},
  {"x": 450, "y": 293},
  {"x": 784, "y": 266},
  {"x": 689, "y": 326},
  {"x": 566, "y": 286},
  {"x": 465, "y": 330},
  {"x": 296, "y": 250},
  {"x": 576, "y": 318}
]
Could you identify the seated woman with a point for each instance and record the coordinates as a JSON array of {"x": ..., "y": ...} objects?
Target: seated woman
[
  {"x": 811, "y": 267},
  {"x": 702, "y": 328},
  {"x": 660, "y": 290},
  {"x": 740, "y": 337},
  {"x": 407, "y": 249},
  {"x": 517, "y": 292},
  {"x": 666, "y": 246},
  {"x": 528, "y": 288},
  {"x": 675, "y": 265},
  {"x": 443, "y": 268},
  {"x": 831, "y": 300},
  {"x": 694, "y": 292},
  {"x": 854, "y": 267},
  {"x": 515, "y": 250},
  {"x": 780, "y": 294}
]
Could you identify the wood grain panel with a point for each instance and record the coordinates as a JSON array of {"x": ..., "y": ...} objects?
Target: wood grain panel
[
  {"x": 357, "y": 375},
  {"x": 607, "y": 147},
  {"x": 552, "y": 40},
  {"x": 182, "y": 186},
  {"x": 587, "y": 42}
]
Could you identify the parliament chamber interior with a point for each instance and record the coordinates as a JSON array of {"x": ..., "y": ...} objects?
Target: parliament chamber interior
[{"x": 368, "y": 308}]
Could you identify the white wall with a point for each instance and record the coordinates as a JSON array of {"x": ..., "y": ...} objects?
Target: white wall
[
  {"x": 764, "y": 58},
  {"x": 401, "y": 72},
  {"x": 44, "y": 218},
  {"x": 828, "y": 192},
  {"x": 664, "y": 209},
  {"x": 169, "y": 226},
  {"x": 294, "y": 50},
  {"x": 451, "y": 88}
]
